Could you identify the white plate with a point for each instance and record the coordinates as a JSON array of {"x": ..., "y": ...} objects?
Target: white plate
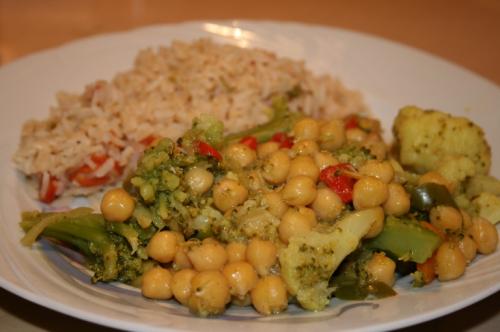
[{"x": 388, "y": 74}]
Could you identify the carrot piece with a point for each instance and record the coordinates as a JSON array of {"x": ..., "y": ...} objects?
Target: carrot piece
[
  {"x": 432, "y": 228},
  {"x": 427, "y": 269}
]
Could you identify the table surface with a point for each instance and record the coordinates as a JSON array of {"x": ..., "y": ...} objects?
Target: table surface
[{"x": 464, "y": 32}]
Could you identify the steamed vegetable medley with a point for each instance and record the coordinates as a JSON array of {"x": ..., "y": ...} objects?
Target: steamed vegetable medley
[{"x": 295, "y": 210}]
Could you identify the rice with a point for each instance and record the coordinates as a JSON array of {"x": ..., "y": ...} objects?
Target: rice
[{"x": 160, "y": 96}]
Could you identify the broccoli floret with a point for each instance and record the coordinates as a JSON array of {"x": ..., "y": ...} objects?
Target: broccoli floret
[{"x": 112, "y": 252}]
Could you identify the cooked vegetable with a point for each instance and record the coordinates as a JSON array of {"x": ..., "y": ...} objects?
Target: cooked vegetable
[
  {"x": 427, "y": 138},
  {"x": 272, "y": 218},
  {"x": 48, "y": 193},
  {"x": 429, "y": 195},
  {"x": 482, "y": 184},
  {"x": 425, "y": 273},
  {"x": 281, "y": 121},
  {"x": 354, "y": 279},
  {"x": 109, "y": 257},
  {"x": 206, "y": 149},
  {"x": 342, "y": 184},
  {"x": 487, "y": 205},
  {"x": 284, "y": 141},
  {"x": 406, "y": 240},
  {"x": 250, "y": 141},
  {"x": 310, "y": 260}
]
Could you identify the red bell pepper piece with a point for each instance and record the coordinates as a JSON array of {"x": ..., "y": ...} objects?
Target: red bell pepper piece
[
  {"x": 341, "y": 184},
  {"x": 249, "y": 141},
  {"x": 351, "y": 122},
  {"x": 206, "y": 149},
  {"x": 148, "y": 140},
  {"x": 89, "y": 181},
  {"x": 50, "y": 193},
  {"x": 283, "y": 139},
  {"x": 83, "y": 174}
]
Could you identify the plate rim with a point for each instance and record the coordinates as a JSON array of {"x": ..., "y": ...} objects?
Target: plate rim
[{"x": 92, "y": 317}]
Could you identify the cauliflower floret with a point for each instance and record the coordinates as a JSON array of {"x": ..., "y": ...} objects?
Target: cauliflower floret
[
  {"x": 310, "y": 259},
  {"x": 482, "y": 183},
  {"x": 487, "y": 206},
  {"x": 425, "y": 138},
  {"x": 456, "y": 169}
]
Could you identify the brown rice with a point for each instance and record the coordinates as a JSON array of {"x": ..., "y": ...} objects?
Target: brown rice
[{"x": 161, "y": 94}]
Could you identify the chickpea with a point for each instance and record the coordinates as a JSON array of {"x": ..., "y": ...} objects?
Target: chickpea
[
  {"x": 163, "y": 246},
  {"x": 369, "y": 192},
  {"x": 303, "y": 165},
  {"x": 305, "y": 148},
  {"x": 327, "y": 204},
  {"x": 229, "y": 193},
  {"x": 275, "y": 204},
  {"x": 484, "y": 234},
  {"x": 241, "y": 277},
  {"x": 236, "y": 252},
  {"x": 324, "y": 159},
  {"x": 435, "y": 177},
  {"x": 381, "y": 170},
  {"x": 381, "y": 268},
  {"x": 181, "y": 259},
  {"x": 209, "y": 293},
  {"x": 210, "y": 255},
  {"x": 269, "y": 295},
  {"x": 117, "y": 205},
  {"x": 450, "y": 261},
  {"x": 332, "y": 135},
  {"x": 239, "y": 155},
  {"x": 265, "y": 149},
  {"x": 276, "y": 166},
  {"x": 156, "y": 284},
  {"x": 398, "y": 200},
  {"x": 446, "y": 218},
  {"x": 468, "y": 248},
  {"x": 262, "y": 255},
  {"x": 299, "y": 191},
  {"x": 199, "y": 180},
  {"x": 306, "y": 128},
  {"x": 377, "y": 225},
  {"x": 355, "y": 135},
  {"x": 309, "y": 214},
  {"x": 181, "y": 285},
  {"x": 293, "y": 223}
]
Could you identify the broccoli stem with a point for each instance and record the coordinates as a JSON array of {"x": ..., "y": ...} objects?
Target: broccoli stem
[
  {"x": 282, "y": 121},
  {"x": 85, "y": 232}
]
